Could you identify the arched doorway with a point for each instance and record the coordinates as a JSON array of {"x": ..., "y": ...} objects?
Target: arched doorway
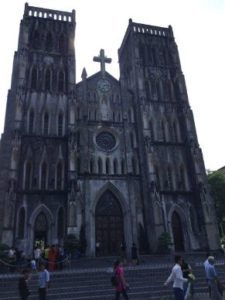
[
  {"x": 108, "y": 225},
  {"x": 40, "y": 230},
  {"x": 177, "y": 232}
]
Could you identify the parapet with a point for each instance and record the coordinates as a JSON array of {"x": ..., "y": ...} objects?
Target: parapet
[{"x": 37, "y": 12}]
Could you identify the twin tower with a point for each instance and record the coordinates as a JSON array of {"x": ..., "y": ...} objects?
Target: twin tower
[{"x": 109, "y": 161}]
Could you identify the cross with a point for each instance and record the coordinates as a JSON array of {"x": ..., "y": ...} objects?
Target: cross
[{"x": 102, "y": 59}]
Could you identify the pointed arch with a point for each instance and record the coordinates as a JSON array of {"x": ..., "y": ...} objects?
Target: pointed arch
[
  {"x": 177, "y": 230},
  {"x": 48, "y": 80},
  {"x": 61, "y": 223},
  {"x": 21, "y": 223}
]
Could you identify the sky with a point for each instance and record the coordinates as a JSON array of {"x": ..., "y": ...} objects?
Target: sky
[{"x": 198, "y": 27}]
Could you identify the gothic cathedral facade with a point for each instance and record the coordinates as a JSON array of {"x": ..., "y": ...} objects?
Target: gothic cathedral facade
[{"x": 118, "y": 160}]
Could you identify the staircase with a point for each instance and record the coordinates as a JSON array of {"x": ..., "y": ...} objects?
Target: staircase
[{"x": 80, "y": 282}]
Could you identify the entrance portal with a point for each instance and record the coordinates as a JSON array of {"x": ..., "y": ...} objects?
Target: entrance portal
[
  {"x": 40, "y": 231},
  {"x": 177, "y": 232},
  {"x": 108, "y": 225}
]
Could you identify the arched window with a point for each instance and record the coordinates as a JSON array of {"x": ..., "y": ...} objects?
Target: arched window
[
  {"x": 44, "y": 176},
  {"x": 49, "y": 42},
  {"x": 59, "y": 176},
  {"x": 115, "y": 166},
  {"x": 61, "y": 224},
  {"x": 61, "y": 82},
  {"x": 60, "y": 124},
  {"x": 159, "y": 90},
  {"x": 46, "y": 124},
  {"x": 34, "y": 78},
  {"x": 107, "y": 166},
  {"x": 99, "y": 166},
  {"x": 28, "y": 175},
  {"x": 78, "y": 138},
  {"x": 36, "y": 40},
  {"x": 62, "y": 43},
  {"x": 21, "y": 223},
  {"x": 122, "y": 166},
  {"x": 48, "y": 80},
  {"x": 31, "y": 122},
  {"x": 147, "y": 91}
]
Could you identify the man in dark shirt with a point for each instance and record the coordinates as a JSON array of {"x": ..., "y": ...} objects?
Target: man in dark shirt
[{"x": 22, "y": 285}]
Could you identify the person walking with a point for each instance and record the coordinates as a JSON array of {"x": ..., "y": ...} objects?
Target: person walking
[
  {"x": 213, "y": 279},
  {"x": 44, "y": 280},
  {"x": 121, "y": 286},
  {"x": 206, "y": 264},
  {"x": 177, "y": 278},
  {"x": 22, "y": 285}
]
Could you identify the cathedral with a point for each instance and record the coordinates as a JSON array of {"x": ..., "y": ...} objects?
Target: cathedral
[{"x": 115, "y": 160}]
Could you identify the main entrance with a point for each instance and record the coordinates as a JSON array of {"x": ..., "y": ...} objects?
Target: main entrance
[
  {"x": 177, "y": 232},
  {"x": 40, "y": 231},
  {"x": 108, "y": 225}
]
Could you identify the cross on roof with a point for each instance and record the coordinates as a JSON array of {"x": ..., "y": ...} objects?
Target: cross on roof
[{"x": 102, "y": 59}]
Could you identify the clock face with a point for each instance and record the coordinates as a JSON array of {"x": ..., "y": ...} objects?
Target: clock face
[{"x": 103, "y": 85}]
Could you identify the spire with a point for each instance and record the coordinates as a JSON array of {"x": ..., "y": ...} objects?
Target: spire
[{"x": 84, "y": 74}]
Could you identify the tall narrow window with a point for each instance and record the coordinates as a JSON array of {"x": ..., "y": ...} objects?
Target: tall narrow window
[
  {"x": 78, "y": 138},
  {"x": 61, "y": 224},
  {"x": 28, "y": 175},
  {"x": 59, "y": 176},
  {"x": 78, "y": 165},
  {"x": 134, "y": 165},
  {"x": 115, "y": 166},
  {"x": 60, "y": 124},
  {"x": 157, "y": 177},
  {"x": 169, "y": 178},
  {"x": 62, "y": 43},
  {"x": 107, "y": 166},
  {"x": 175, "y": 132},
  {"x": 49, "y": 42},
  {"x": 147, "y": 91},
  {"x": 131, "y": 140},
  {"x": 122, "y": 166},
  {"x": 21, "y": 223},
  {"x": 34, "y": 79},
  {"x": 182, "y": 178},
  {"x": 31, "y": 122},
  {"x": 163, "y": 131},
  {"x": 61, "y": 82},
  {"x": 46, "y": 124},
  {"x": 44, "y": 176},
  {"x": 99, "y": 166},
  {"x": 36, "y": 40},
  {"x": 151, "y": 129},
  {"x": 48, "y": 80}
]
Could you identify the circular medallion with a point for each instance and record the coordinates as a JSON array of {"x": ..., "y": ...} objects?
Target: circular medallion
[
  {"x": 106, "y": 140},
  {"x": 103, "y": 85}
]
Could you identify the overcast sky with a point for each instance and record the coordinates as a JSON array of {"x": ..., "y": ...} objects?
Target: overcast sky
[{"x": 198, "y": 27}]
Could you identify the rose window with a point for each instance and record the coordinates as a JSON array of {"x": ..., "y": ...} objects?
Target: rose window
[{"x": 106, "y": 140}]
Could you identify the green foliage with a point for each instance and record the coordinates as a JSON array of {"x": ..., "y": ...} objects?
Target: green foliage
[
  {"x": 164, "y": 242},
  {"x": 71, "y": 243},
  {"x": 217, "y": 183},
  {"x": 3, "y": 249}
]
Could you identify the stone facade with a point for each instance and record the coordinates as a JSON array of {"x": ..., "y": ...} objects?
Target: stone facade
[{"x": 118, "y": 159}]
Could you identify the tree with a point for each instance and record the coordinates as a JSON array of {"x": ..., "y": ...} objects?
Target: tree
[{"x": 217, "y": 182}]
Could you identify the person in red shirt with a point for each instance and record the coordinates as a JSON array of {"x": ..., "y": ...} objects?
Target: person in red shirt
[{"x": 122, "y": 285}]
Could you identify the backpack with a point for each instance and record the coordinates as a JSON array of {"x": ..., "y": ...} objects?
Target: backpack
[{"x": 114, "y": 280}]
